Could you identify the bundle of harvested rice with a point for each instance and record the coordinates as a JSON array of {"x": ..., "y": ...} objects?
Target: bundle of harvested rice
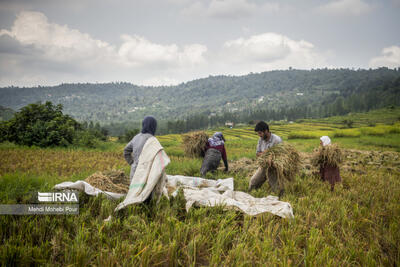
[
  {"x": 243, "y": 165},
  {"x": 112, "y": 181},
  {"x": 282, "y": 160},
  {"x": 194, "y": 144},
  {"x": 328, "y": 155}
]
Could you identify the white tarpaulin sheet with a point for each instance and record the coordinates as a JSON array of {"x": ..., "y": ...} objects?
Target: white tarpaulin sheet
[
  {"x": 240, "y": 200},
  {"x": 205, "y": 192},
  {"x": 174, "y": 182},
  {"x": 87, "y": 188}
]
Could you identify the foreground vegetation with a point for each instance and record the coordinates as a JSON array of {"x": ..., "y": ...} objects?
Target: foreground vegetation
[{"x": 357, "y": 224}]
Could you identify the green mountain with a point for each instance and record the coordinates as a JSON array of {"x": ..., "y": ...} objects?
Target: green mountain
[{"x": 290, "y": 89}]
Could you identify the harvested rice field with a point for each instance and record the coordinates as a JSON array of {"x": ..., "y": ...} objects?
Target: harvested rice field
[{"x": 355, "y": 225}]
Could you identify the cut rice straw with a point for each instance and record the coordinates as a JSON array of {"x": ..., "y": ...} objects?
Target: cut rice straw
[
  {"x": 112, "y": 181},
  {"x": 283, "y": 160},
  {"x": 328, "y": 155},
  {"x": 194, "y": 144}
]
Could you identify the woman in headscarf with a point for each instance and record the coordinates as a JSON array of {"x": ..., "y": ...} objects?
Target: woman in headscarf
[
  {"x": 328, "y": 172},
  {"x": 215, "y": 150},
  {"x": 133, "y": 149}
]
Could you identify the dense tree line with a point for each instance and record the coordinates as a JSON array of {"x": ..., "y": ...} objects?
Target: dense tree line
[
  {"x": 383, "y": 95},
  {"x": 275, "y": 95},
  {"x": 120, "y": 102}
]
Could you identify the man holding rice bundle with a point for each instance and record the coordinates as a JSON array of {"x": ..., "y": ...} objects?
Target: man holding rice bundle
[
  {"x": 266, "y": 141},
  {"x": 215, "y": 150}
]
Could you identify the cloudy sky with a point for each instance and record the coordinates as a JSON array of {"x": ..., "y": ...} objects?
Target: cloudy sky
[{"x": 47, "y": 42}]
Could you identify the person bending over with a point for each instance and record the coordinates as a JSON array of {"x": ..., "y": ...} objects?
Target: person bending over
[{"x": 215, "y": 150}]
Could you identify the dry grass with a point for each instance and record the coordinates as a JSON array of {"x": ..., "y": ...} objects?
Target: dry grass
[
  {"x": 283, "y": 159},
  {"x": 112, "y": 181},
  {"x": 244, "y": 166},
  {"x": 194, "y": 144},
  {"x": 331, "y": 155}
]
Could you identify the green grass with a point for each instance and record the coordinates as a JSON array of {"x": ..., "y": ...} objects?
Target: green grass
[
  {"x": 347, "y": 133},
  {"x": 385, "y": 116},
  {"x": 308, "y": 134},
  {"x": 357, "y": 224}
]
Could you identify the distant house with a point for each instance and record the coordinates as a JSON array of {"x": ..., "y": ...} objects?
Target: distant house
[{"x": 229, "y": 124}]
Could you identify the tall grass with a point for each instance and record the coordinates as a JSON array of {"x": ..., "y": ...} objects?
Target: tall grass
[{"x": 357, "y": 224}]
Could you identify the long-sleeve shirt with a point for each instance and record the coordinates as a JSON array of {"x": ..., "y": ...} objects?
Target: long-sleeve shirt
[
  {"x": 220, "y": 148},
  {"x": 133, "y": 149}
]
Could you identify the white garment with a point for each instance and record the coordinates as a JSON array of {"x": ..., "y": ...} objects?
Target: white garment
[
  {"x": 149, "y": 174},
  {"x": 325, "y": 140}
]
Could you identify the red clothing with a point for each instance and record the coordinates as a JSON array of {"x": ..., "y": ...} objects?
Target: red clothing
[
  {"x": 330, "y": 174},
  {"x": 220, "y": 148}
]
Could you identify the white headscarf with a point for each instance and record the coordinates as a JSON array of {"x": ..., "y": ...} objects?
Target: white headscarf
[
  {"x": 325, "y": 140},
  {"x": 217, "y": 139}
]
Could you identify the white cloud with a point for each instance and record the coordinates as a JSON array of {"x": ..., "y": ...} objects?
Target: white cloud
[
  {"x": 66, "y": 54},
  {"x": 58, "y": 43},
  {"x": 271, "y": 51},
  {"x": 264, "y": 47},
  {"x": 36, "y": 51},
  {"x": 138, "y": 51},
  {"x": 345, "y": 7},
  {"x": 390, "y": 58}
]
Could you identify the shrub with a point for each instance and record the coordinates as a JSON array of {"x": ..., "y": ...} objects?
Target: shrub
[
  {"x": 86, "y": 139},
  {"x": 348, "y": 123},
  {"x": 41, "y": 125},
  {"x": 129, "y": 134}
]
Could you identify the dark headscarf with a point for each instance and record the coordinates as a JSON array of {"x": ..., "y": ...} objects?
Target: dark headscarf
[{"x": 149, "y": 125}]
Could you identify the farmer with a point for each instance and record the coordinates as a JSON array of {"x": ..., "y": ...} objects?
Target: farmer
[
  {"x": 133, "y": 149},
  {"x": 328, "y": 172},
  {"x": 267, "y": 140},
  {"x": 215, "y": 150}
]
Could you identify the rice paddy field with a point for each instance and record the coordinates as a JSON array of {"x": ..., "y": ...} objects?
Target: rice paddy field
[{"x": 356, "y": 225}]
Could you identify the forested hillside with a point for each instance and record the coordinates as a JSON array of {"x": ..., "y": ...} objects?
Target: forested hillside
[
  {"x": 289, "y": 94},
  {"x": 5, "y": 113}
]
